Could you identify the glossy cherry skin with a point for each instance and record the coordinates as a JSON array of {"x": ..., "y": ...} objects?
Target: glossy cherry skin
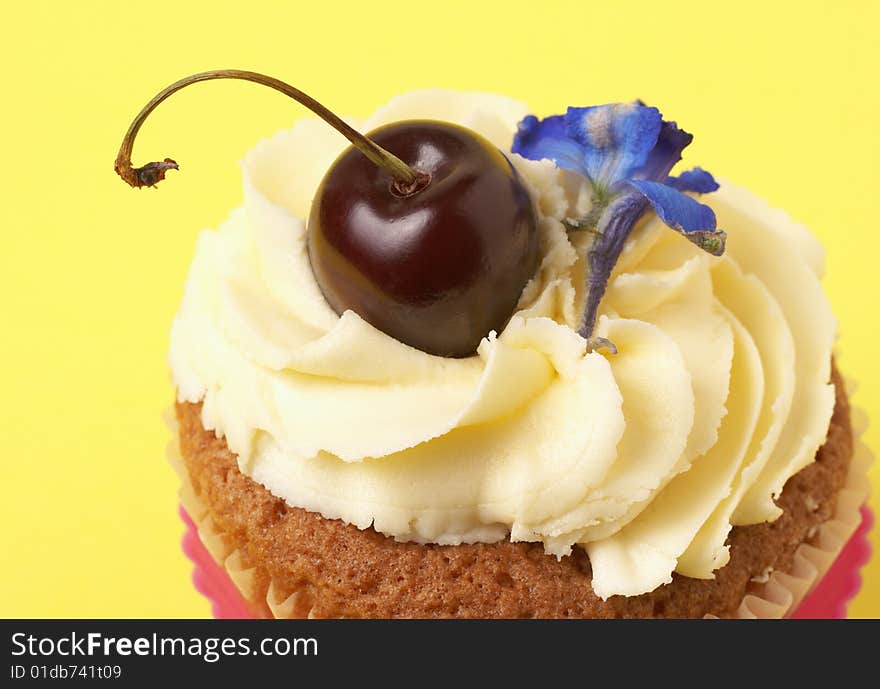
[{"x": 437, "y": 269}]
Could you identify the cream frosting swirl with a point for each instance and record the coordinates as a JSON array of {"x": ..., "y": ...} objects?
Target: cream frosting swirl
[{"x": 719, "y": 392}]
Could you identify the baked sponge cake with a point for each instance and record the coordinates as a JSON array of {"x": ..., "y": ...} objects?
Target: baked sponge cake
[
  {"x": 656, "y": 429},
  {"x": 326, "y": 568}
]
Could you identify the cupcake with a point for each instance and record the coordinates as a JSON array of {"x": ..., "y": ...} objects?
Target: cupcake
[{"x": 531, "y": 371}]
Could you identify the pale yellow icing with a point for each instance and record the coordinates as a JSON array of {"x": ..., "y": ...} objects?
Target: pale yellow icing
[{"x": 719, "y": 392}]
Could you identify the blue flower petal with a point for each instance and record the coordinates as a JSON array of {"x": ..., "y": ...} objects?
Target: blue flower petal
[
  {"x": 617, "y": 138},
  {"x": 614, "y": 226},
  {"x": 696, "y": 180},
  {"x": 678, "y": 211},
  {"x": 691, "y": 218},
  {"x": 670, "y": 143},
  {"x": 538, "y": 139}
]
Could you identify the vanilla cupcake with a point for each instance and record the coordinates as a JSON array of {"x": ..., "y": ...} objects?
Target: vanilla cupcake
[{"x": 653, "y": 427}]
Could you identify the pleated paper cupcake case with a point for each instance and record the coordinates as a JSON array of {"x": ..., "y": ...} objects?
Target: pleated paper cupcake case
[{"x": 224, "y": 576}]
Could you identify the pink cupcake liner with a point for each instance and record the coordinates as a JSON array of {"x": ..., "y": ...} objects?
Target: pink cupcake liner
[
  {"x": 828, "y": 599},
  {"x": 210, "y": 579}
]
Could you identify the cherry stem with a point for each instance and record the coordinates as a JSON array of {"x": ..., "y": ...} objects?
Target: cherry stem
[{"x": 406, "y": 180}]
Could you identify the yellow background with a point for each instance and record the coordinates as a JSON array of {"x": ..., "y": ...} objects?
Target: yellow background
[{"x": 782, "y": 96}]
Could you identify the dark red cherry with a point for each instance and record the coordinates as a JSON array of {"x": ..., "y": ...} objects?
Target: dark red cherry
[
  {"x": 423, "y": 228},
  {"x": 438, "y": 268}
]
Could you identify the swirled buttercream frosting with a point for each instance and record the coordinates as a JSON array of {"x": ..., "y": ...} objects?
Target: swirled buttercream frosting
[{"x": 718, "y": 392}]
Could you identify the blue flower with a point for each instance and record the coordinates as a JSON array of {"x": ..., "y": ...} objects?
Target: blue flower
[{"x": 626, "y": 151}]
